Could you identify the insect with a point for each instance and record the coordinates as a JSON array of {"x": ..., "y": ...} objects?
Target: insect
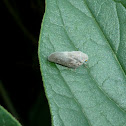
[{"x": 71, "y": 59}]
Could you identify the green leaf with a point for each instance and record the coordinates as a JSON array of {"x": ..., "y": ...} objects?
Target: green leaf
[
  {"x": 6, "y": 119},
  {"x": 123, "y": 2},
  {"x": 92, "y": 95}
]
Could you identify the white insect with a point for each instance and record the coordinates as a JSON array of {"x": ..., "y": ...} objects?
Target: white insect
[{"x": 71, "y": 59}]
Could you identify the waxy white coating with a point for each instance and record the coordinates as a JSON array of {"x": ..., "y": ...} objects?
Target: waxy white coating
[{"x": 71, "y": 59}]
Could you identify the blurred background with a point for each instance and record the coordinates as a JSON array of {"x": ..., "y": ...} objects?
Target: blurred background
[{"x": 21, "y": 87}]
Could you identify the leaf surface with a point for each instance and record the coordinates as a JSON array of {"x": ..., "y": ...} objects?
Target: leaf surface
[
  {"x": 6, "y": 119},
  {"x": 92, "y": 95}
]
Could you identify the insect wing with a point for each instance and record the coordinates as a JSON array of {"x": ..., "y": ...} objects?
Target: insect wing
[{"x": 70, "y": 59}]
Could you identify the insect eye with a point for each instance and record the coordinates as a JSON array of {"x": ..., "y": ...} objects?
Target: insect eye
[{"x": 85, "y": 61}]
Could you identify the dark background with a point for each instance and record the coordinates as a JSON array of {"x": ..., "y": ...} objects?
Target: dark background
[{"x": 21, "y": 87}]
